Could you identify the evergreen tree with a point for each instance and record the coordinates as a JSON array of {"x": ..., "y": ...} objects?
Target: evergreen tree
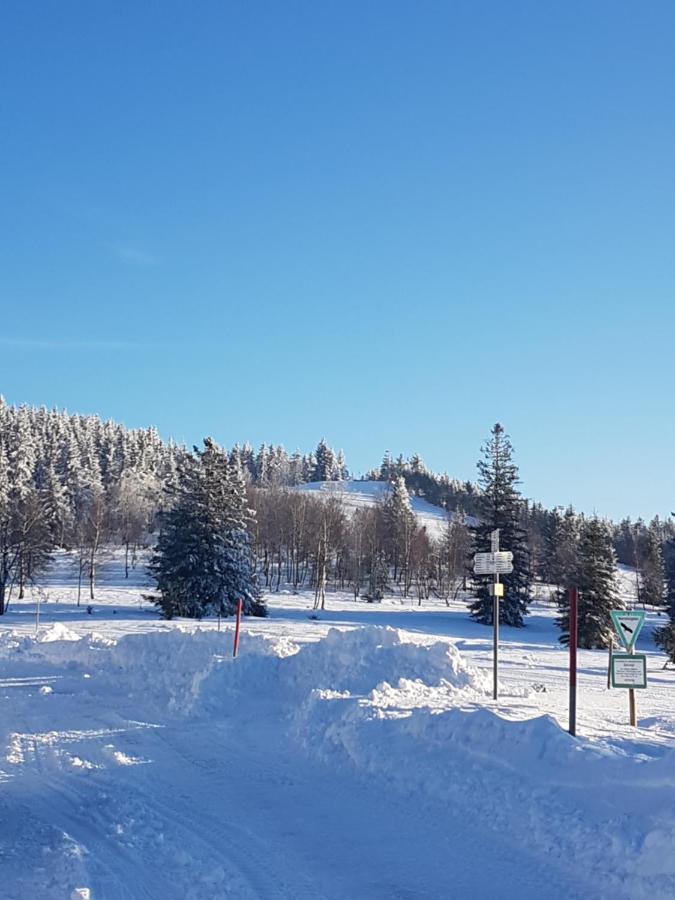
[
  {"x": 664, "y": 637},
  {"x": 597, "y": 587},
  {"x": 561, "y": 545},
  {"x": 652, "y": 573},
  {"x": 341, "y": 467},
  {"x": 401, "y": 524},
  {"x": 501, "y": 507},
  {"x": 378, "y": 580},
  {"x": 203, "y": 562},
  {"x": 326, "y": 468},
  {"x": 386, "y": 468}
]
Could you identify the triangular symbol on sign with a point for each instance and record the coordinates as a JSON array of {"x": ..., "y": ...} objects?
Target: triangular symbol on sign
[{"x": 628, "y": 626}]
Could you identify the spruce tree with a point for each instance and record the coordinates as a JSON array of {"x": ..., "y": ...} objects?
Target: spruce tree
[
  {"x": 401, "y": 526},
  {"x": 561, "y": 546},
  {"x": 664, "y": 637},
  {"x": 326, "y": 468},
  {"x": 595, "y": 579},
  {"x": 652, "y": 573},
  {"x": 203, "y": 563},
  {"x": 501, "y": 506}
]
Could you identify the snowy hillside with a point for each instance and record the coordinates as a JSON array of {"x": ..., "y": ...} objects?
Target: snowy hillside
[{"x": 365, "y": 493}]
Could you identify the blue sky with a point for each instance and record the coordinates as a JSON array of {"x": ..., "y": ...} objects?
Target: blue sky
[{"x": 391, "y": 224}]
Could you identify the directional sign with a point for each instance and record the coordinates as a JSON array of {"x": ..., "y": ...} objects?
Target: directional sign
[
  {"x": 629, "y": 670},
  {"x": 493, "y": 563},
  {"x": 628, "y": 625}
]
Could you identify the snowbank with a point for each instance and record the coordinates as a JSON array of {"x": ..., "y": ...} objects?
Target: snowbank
[{"x": 410, "y": 715}]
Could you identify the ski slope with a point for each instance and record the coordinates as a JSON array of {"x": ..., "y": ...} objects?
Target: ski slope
[
  {"x": 355, "y": 494},
  {"x": 353, "y": 753}
]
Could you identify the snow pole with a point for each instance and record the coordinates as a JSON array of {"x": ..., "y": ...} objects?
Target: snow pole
[
  {"x": 574, "y": 639},
  {"x": 235, "y": 649}
]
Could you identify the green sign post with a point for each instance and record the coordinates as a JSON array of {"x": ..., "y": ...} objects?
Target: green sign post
[{"x": 629, "y": 670}]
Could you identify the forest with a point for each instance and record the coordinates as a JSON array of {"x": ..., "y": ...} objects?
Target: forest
[{"x": 89, "y": 486}]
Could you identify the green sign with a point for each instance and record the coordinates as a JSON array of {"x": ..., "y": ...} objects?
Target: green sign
[
  {"x": 629, "y": 670},
  {"x": 628, "y": 625}
]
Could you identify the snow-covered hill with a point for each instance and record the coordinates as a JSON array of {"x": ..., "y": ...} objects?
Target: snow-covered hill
[{"x": 355, "y": 494}]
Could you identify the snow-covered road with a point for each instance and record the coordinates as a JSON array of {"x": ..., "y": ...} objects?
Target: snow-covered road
[{"x": 158, "y": 767}]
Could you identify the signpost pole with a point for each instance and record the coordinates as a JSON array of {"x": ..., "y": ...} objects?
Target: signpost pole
[
  {"x": 494, "y": 563},
  {"x": 574, "y": 637},
  {"x": 609, "y": 662},
  {"x": 632, "y": 711},
  {"x": 494, "y": 547},
  {"x": 495, "y": 638},
  {"x": 235, "y": 649}
]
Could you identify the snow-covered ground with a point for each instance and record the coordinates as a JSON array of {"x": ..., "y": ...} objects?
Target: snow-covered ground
[
  {"x": 354, "y": 752},
  {"x": 355, "y": 494}
]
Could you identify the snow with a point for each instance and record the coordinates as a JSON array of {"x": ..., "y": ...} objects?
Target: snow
[
  {"x": 354, "y": 752},
  {"x": 355, "y": 494}
]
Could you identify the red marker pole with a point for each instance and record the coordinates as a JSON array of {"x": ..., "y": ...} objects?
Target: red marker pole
[
  {"x": 240, "y": 605},
  {"x": 574, "y": 637}
]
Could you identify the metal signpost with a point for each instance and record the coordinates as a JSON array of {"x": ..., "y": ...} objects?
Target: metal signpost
[
  {"x": 629, "y": 670},
  {"x": 494, "y": 563},
  {"x": 574, "y": 639},
  {"x": 235, "y": 648}
]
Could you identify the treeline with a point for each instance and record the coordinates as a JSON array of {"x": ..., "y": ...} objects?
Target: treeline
[
  {"x": 440, "y": 490},
  {"x": 637, "y": 544},
  {"x": 75, "y": 482},
  {"x": 83, "y": 484}
]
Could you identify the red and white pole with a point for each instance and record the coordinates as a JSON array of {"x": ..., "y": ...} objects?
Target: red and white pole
[
  {"x": 240, "y": 604},
  {"x": 574, "y": 638}
]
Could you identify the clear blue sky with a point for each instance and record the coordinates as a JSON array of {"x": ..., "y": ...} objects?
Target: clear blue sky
[{"x": 388, "y": 223}]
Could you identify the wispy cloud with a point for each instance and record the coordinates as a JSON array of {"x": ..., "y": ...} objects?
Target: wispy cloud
[
  {"x": 132, "y": 256},
  {"x": 66, "y": 344}
]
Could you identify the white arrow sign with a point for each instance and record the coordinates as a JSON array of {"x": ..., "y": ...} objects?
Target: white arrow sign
[
  {"x": 493, "y": 563},
  {"x": 628, "y": 625}
]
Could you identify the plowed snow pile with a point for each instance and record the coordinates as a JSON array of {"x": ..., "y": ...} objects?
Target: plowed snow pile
[{"x": 370, "y": 705}]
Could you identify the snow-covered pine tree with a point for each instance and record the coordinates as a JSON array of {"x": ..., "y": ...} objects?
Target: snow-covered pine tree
[
  {"x": 342, "y": 472},
  {"x": 239, "y": 568},
  {"x": 326, "y": 463},
  {"x": 652, "y": 587},
  {"x": 664, "y": 637},
  {"x": 5, "y": 528},
  {"x": 203, "y": 562},
  {"x": 561, "y": 545},
  {"x": 401, "y": 525},
  {"x": 597, "y": 587},
  {"x": 378, "y": 579},
  {"x": 501, "y": 507},
  {"x": 386, "y": 469}
]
